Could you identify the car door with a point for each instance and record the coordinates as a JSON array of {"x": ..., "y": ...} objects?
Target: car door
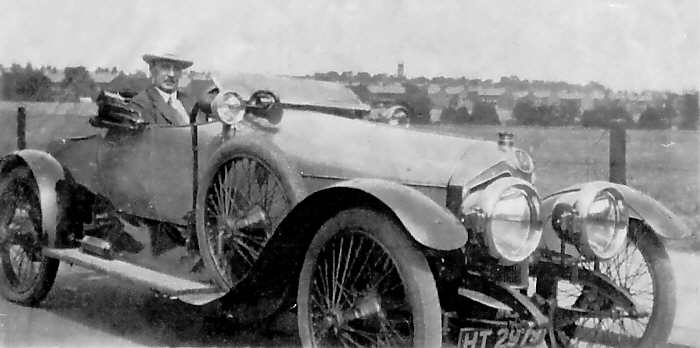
[
  {"x": 171, "y": 164},
  {"x": 148, "y": 173},
  {"x": 123, "y": 161}
]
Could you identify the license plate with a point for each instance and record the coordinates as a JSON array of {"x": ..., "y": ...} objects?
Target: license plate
[{"x": 499, "y": 337}]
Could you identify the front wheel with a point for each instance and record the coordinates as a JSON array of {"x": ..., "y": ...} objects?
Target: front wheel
[
  {"x": 364, "y": 283},
  {"x": 26, "y": 276},
  {"x": 644, "y": 270}
]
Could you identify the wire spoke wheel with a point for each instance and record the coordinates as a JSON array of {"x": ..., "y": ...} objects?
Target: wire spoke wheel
[
  {"x": 364, "y": 285},
  {"x": 244, "y": 203},
  {"x": 643, "y": 270},
  {"x": 358, "y": 299},
  {"x": 27, "y": 275},
  {"x": 19, "y": 252}
]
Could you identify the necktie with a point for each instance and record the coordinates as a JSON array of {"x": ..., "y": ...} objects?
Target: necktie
[{"x": 177, "y": 105}]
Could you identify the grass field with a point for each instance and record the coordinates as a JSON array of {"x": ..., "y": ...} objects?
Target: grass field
[{"x": 663, "y": 163}]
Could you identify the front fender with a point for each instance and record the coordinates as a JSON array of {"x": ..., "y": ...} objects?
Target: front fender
[
  {"x": 277, "y": 270},
  {"x": 641, "y": 207},
  {"x": 47, "y": 172},
  {"x": 429, "y": 223},
  {"x": 645, "y": 208}
]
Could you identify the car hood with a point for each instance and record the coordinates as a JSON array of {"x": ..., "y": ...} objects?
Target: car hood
[
  {"x": 338, "y": 148},
  {"x": 333, "y": 147}
]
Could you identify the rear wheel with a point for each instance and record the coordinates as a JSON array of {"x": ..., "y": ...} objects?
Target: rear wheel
[
  {"x": 244, "y": 203},
  {"x": 644, "y": 270},
  {"x": 364, "y": 283},
  {"x": 26, "y": 276}
]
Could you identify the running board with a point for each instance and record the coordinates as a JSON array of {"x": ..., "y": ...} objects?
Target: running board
[{"x": 186, "y": 289}]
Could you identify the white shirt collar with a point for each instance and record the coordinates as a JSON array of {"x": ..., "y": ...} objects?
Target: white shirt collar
[{"x": 167, "y": 96}]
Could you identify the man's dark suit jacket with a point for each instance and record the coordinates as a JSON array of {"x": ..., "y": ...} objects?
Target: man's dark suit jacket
[{"x": 155, "y": 110}]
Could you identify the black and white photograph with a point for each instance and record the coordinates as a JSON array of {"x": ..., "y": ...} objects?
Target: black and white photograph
[{"x": 389, "y": 173}]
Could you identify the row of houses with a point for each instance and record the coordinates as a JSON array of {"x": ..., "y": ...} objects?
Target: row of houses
[
  {"x": 455, "y": 96},
  {"x": 444, "y": 96}
]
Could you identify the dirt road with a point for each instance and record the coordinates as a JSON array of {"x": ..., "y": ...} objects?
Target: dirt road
[
  {"x": 86, "y": 309},
  {"x": 686, "y": 329}
]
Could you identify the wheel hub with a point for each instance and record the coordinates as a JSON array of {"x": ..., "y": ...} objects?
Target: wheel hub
[
  {"x": 20, "y": 231},
  {"x": 367, "y": 306},
  {"x": 255, "y": 217},
  {"x": 330, "y": 322}
]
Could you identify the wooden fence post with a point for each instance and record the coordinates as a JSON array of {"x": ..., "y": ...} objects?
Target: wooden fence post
[
  {"x": 21, "y": 128},
  {"x": 618, "y": 143}
]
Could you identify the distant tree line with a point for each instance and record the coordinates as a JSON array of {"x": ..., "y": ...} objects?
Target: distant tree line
[
  {"x": 26, "y": 83},
  {"x": 678, "y": 111},
  {"x": 29, "y": 84},
  {"x": 482, "y": 113}
]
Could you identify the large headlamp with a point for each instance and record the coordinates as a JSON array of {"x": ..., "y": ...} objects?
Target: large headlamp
[
  {"x": 593, "y": 219},
  {"x": 507, "y": 214},
  {"x": 228, "y": 107}
]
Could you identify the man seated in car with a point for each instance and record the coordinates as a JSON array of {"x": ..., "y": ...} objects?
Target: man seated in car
[{"x": 162, "y": 102}]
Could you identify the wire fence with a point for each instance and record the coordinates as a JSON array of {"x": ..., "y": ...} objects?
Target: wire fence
[
  {"x": 45, "y": 122},
  {"x": 49, "y": 108}
]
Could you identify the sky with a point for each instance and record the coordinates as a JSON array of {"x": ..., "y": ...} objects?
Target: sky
[{"x": 624, "y": 44}]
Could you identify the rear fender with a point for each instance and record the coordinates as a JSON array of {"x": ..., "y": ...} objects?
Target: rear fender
[
  {"x": 48, "y": 174},
  {"x": 641, "y": 207}
]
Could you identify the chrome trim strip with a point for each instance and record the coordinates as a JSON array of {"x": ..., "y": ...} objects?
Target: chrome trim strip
[{"x": 339, "y": 178}]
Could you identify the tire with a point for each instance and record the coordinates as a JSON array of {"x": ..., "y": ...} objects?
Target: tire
[
  {"x": 245, "y": 167},
  {"x": 21, "y": 240},
  {"x": 397, "y": 293},
  {"x": 648, "y": 331}
]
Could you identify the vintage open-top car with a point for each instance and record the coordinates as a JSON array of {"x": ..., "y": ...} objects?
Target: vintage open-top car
[{"x": 380, "y": 236}]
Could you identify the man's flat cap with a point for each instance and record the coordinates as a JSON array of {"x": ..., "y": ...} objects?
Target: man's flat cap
[{"x": 168, "y": 57}]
